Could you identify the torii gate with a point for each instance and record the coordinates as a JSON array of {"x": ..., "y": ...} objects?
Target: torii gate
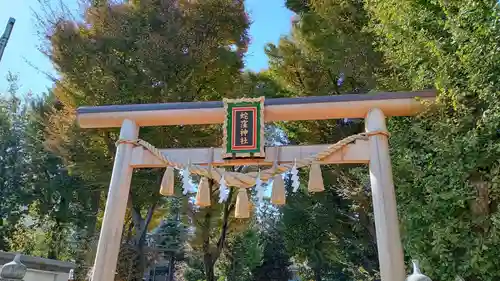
[{"x": 374, "y": 150}]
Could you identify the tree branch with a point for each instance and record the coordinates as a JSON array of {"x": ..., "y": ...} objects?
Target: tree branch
[
  {"x": 225, "y": 224},
  {"x": 149, "y": 216}
]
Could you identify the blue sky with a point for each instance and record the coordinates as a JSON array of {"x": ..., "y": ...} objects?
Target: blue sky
[{"x": 270, "y": 20}]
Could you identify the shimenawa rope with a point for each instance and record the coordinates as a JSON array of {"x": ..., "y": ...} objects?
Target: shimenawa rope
[{"x": 247, "y": 180}]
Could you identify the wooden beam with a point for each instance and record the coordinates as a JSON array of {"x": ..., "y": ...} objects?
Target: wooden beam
[
  {"x": 283, "y": 109},
  {"x": 116, "y": 205},
  {"x": 353, "y": 153},
  {"x": 385, "y": 213}
]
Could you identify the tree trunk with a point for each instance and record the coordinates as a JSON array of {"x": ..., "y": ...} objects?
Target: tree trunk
[
  {"x": 141, "y": 227},
  {"x": 208, "y": 262},
  {"x": 211, "y": 256},
  {"x": 209, "y": 267},
  {"x": 317, "y": 274},
  {"x": 171, "y": 268}
]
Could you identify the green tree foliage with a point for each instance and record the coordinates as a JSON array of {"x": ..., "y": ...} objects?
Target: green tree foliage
[
  {"x": 145, "y": 52},
  {"x": 61, "y": 200},
  {"x": 46, "y": 204},
  {"x": 195, "y": 268},
  {"x": 242, "y": 255},
  {"x": 13, "y": 167},
  {"x": 329, "y": 52},
  {"x": 170, "y": 237},
  {"x": 446, "y": 162},
  {"x": 328, "y": 232},
  {"x": 275, "y": 260},
  {"x": 212, "y": 227}
]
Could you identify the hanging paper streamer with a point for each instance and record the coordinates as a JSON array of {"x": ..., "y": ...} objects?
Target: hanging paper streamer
[
  {"x": 167, "y": 182},
  {"x": 259, "y": 188},
  {"x": 203, "y": 194},
  {"x": 187, "y": 185},
  {"x": 295, "y": 178},
  {"x": 223, "y": 190}
]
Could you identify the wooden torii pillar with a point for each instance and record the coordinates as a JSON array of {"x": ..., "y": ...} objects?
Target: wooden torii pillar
[{"x": 375, "y": 151}]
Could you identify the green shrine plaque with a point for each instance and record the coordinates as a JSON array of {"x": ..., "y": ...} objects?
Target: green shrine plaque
[{"x": 244, "y": 128}]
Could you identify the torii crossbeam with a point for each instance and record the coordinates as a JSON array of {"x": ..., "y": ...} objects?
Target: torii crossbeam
[{"x": 375, "y": 151}]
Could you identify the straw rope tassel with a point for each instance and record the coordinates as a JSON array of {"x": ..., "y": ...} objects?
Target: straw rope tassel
[
  {"x": 203, "y": 195},
  {"x": 167, "y": 182},
  {"x": 315, "y": 179},
  {"x": 242, "y": 210},
  {"x": 278, "y": 191}
]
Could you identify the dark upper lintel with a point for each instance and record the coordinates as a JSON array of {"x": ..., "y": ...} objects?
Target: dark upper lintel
[{"x": 268, "y": 102}]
